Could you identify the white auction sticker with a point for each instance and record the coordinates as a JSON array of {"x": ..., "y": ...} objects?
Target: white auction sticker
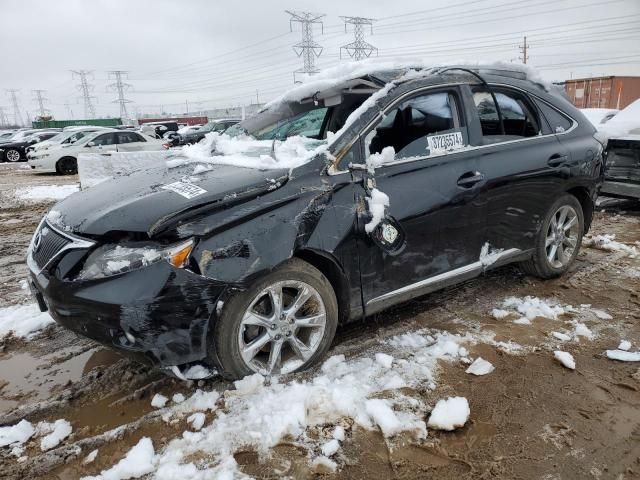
[
  {"x": 186, "y": 189},
  {"x": 444, "y": 142}
]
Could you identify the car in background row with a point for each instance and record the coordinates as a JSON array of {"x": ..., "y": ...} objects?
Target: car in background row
[
  {"x": 598, "y": 116},
  {"x": 63, "y": 158},
  {"x": 6, "y": 134},
  {"x": 65, "y": 137},
  {"x": 16, "y": 151},
  {"x": 194, "y": 136},
  {"x": 158, "y": 129}
]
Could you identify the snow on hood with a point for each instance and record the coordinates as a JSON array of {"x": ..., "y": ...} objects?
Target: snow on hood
[
  {"x": 597, "y": 115},
  {"x": 244, "y": 151}
]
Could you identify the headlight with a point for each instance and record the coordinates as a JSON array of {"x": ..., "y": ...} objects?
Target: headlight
[{"x": 112, "y": 260}]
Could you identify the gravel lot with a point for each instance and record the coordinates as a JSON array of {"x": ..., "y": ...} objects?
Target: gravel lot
[{"x": 530, "y": 418}]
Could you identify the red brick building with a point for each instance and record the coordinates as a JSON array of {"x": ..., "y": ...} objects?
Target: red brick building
[{"x": 603, "y": 92}]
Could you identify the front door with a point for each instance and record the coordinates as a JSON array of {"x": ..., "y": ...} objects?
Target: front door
[{"x": 432, "y": 184}]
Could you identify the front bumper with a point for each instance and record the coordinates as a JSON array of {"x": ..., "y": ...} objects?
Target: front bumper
[{"x": 158, "y": 314}]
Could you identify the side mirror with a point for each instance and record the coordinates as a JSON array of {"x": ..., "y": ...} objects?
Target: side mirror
[{"x": 91, "y": 144}]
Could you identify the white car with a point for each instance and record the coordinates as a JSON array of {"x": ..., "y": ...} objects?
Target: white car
[
  {"x": 63, "y": 159},
  {"x": 63, "y": 138}
]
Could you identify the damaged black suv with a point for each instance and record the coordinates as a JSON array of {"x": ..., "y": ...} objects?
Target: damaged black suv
[{"x": 401, "y": 182}]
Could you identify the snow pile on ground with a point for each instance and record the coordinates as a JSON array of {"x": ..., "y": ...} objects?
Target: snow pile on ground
[
  {"x": 624, "y": 345},
  {"x": 623, "y": 355},
  {"x": 529, "y": 308},
  {"x": 139, "y": 461},
  {"x": 22, "y": 320},
  {"x": 46, "y": 192},
  {"x": 608, "y": 243},
  {"x": 565, "y": 358},
  {"x": 480, "y": 367},
  {"x": 159, "y": 401},
  {"x": 17, "y": 434},
  {"x": 449, "y": 414},
  {"x": 54, "y": 433},
  {"x": 260, "y": 412}
]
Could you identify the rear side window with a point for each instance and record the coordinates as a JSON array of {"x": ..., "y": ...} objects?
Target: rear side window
[
  {"x": 557, "y": 122},
  {"x": 519, "y": 117},
  {"x": 419, "y": 127},
  {"x": 106, "y": 139}
]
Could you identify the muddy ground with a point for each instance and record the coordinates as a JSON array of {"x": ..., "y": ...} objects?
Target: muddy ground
[{"x": 530, "y": 418}]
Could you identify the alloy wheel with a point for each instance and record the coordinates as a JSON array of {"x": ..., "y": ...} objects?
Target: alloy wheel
[
  {"x": 562, "y": 236},
  {"x": 282, "y": 328},
  {"x": 13, "y": 155}
]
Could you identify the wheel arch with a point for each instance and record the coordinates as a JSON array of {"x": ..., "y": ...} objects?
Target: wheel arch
[
  {"x": 586, "y": 202},
  {"x": 334, "y": 272}
]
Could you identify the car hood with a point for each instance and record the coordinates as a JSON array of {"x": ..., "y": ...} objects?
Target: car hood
[{"x": 153, "y": 201}]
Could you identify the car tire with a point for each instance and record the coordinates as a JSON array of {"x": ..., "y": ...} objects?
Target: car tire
[
  {"x": 550, "y": 257},
  {"x": 12, "y": 155},
  {"x": 67, "y": 166},
  {"x": 228, "y": 335}
]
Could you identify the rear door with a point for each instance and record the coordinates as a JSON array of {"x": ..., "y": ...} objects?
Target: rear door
[
  {"x": 432, "y": 196},
  {"x": 133, "y": 142},
  {"x": 107, "y": 142},
  {"x": 525, "y": 166}
]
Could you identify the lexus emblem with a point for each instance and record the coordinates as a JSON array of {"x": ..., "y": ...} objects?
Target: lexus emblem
[{"x": 37, "y": 241}]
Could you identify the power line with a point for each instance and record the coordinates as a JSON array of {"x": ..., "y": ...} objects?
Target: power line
[
  {"x": 86, "y": 89},
  {"x": 359, "y": 48},
  {"x": 40, "y": 99},
  {"x": 13, "y": 96},
  {"x": 308, "y": 49},
  {"x": 120, "y": 87}
]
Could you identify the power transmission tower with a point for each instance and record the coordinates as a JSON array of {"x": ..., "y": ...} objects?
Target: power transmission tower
[
  {"x": 69, "y": 110},
  {"x": 359, "y": 48},
  {"x": 524, "y": 49},
  {"x": 3, "y": 118},
  {"x": 120, "y": 87},
  {"x": 40, "y": 101},
  {"x": 308, "y": 49},
  {"x": 86, "y": 89},
  {"x": 17, "y": 117}
]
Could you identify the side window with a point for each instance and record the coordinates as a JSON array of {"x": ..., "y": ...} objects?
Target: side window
[
  {"x": 519, "y": 116},
  {"x": 418, "y": 127},
  {"x": 556, "y": 121},
  {"x": 106, "y": 139},
  {"x": 138, "y": 137}
]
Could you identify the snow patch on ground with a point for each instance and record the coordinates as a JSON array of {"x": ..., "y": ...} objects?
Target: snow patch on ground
[
  {"x": 533, "y": 307},
  {"x": 23, "y": 321},
  {"x": 55, "y": 432},
  {"x": 17, "y": 434},
  {"x": 623, "y": 356},
  {"x": 607, "y": 242},
  {"x": 449, "y": 414},
  {"x": 139, "y": 461},
  {"x": 46, "y": 192},
  {"x": 624, "y": 345},
  {"x": 480, "y": 367},
  {"x": 565, "y": 358}
]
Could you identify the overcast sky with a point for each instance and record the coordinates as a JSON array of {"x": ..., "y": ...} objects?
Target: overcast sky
[{"x": 214, "y": 54}]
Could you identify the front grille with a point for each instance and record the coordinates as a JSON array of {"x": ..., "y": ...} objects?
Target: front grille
[{"x": 49, "y": 244}]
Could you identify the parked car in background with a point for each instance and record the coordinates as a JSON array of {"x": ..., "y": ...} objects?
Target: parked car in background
[
  {"x": 6, "y": 134},
  {"x": 195, "y": 135},
  {"x": 158, "y": 129},
  {"x": 63, "y": 159},
  {"x": 441, "y": 175},
  {"x": 63, "y": 138},
  {"x": 16, "y": 151},
  {"x": 598, "y": 116}
]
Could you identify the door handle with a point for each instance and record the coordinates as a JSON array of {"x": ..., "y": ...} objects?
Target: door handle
[
  {"x": 469, "y": 179},
  {"x": 557, "y": 160}
]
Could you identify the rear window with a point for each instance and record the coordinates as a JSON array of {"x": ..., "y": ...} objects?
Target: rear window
[{"x": 556, "y": 121}]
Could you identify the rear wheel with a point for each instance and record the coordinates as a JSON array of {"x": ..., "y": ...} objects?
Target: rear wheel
[
  {"x": 559, "y": 239},
  {"x": 283, "y": 323},
  {"x": 12, "y": 155},
  {"x": 67, "y": 166}
]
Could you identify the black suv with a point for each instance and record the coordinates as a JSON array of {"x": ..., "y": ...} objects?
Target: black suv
[{"x": 432, "y": 177}]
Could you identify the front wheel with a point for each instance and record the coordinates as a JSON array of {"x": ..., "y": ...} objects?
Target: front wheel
[
  {"x": 12, "y": 155},
  {"x": 67, "y": 166},
  {"x": 558, "y": 240},
  {"x": 283, "y": 323}
]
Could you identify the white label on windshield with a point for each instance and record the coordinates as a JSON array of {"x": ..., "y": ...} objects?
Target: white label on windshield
[
  {"x": 186, "y": 189},
  {"x": 445, "y": 142}
]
